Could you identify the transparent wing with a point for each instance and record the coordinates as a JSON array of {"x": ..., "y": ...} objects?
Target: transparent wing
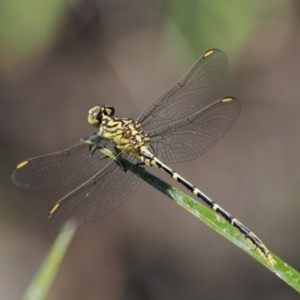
[
  {"x": 190, "y": 94},
  {"x": 98, "y": 196},
  {"x": 59, "y": 168},
  {"x": 190, "y": 137}
]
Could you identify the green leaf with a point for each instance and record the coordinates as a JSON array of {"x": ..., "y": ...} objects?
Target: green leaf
[{"x": 42, "y": 281}]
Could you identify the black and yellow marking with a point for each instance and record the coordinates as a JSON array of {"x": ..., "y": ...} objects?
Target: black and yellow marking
[{"x": 250, "y": 237}]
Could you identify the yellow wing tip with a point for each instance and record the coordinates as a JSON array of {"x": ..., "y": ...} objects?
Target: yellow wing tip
[
  {"x": 22, "y": 164},
  {"x": 227, "y": 99},
  {"x": 54, "y": 209},
  {"x": 208, "y": 53}
]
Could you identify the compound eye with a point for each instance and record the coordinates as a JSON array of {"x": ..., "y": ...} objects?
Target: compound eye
[{"x": 94, "y": 117}]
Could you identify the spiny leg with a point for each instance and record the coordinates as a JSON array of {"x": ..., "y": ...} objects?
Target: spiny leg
[
  {"x": 95, "y": 147},
  {"x": 89, "y": 138},
  {"x": 94, "y": 141},
  {"x": 250, "y": 237}
]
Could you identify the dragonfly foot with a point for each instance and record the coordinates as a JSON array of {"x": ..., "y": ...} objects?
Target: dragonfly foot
[{"x": 90, "y": 138}]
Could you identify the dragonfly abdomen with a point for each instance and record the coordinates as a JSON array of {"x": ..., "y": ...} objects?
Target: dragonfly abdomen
[{"x": 250, "y": 237}]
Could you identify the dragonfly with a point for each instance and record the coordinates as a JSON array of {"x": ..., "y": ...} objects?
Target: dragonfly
[{"x": 179, "y": 126}]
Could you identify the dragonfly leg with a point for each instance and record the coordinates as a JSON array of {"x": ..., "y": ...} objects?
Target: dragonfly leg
[
  {"x": 94, "y": 141},
  {"x": 96, "y": 145},
  {"x": 90, "y": 138}
]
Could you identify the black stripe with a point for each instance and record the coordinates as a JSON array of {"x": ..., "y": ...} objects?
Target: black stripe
[
  {"x": 245, "y": 231},
  {"x": 113, "y": 131},
  {"x": 186, "y": 184},
  {"x": 209, "y": 202},
  {"x": 224, "y": 214},
  {"x": 114, "y": 125}
]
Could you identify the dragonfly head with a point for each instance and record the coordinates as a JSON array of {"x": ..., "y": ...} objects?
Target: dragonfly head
[{"x": 97, "y": 113}]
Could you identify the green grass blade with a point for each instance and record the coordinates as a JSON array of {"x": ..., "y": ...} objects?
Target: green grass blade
[
  {"x": 210, "y": 218},
  {"x": 217, "y": 223},
  {"x": 42, "y": 281}
]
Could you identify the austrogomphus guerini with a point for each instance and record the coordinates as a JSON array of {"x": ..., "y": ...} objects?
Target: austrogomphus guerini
[{"x": 179, "y": 126}]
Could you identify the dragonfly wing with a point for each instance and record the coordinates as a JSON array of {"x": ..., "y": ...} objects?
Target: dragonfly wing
[
  {"x": 190, "y": 137},
  {"x": 190, "y": 94},
  {"x": 59, "y": 168},
  {"x": 98, "y": 196}
]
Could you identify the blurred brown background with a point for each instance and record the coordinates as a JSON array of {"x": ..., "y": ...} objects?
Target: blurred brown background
[{"x": 59, "y": 58}]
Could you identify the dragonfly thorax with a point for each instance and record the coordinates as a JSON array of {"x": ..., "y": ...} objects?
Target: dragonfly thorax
[{"x": 125, "y": 133}]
